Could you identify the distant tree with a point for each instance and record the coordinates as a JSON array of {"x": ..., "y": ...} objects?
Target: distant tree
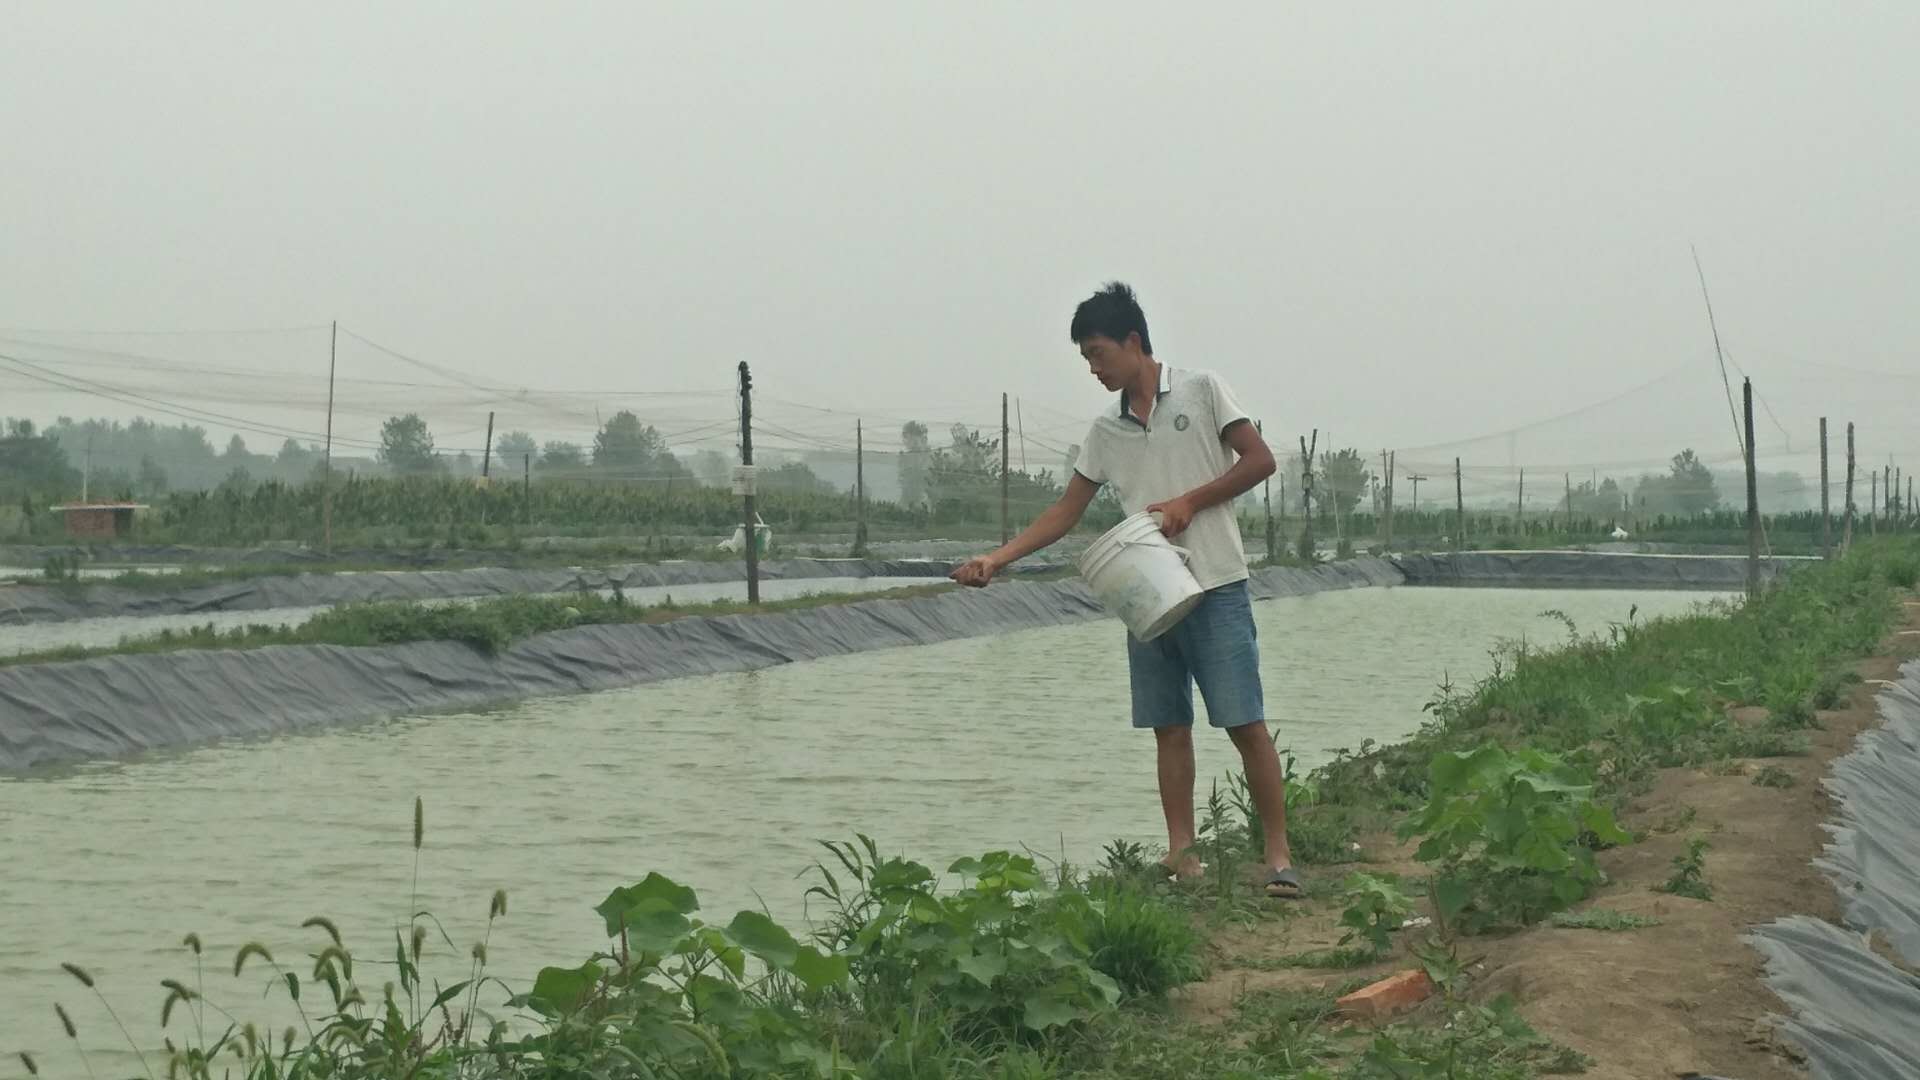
[
  {"x": 406, "y": 446},
  {"x": 514, "y": 448},
  {"x": 1342, "y": 481},
  {"x": 713, "y": 468},
  {"x": 627, "y": 448},
  {"x": 1687, "y": 489},
  {"x": 152, "y": 479},
  {"x": 294, "y": 456},
  {"x": 562, "y": 457},
  {"x": 236, "y": 450},
  {"x": 915, "y": 458},
  {"x": 32, "y": 463},
  {"x": 464, "y": 464},
  {"x": 793, "y": 476}
]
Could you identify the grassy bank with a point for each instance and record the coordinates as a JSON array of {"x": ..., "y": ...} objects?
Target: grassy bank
[
  {"x": 1005, "y": 968},
  {"x": 489, "y": 625}
]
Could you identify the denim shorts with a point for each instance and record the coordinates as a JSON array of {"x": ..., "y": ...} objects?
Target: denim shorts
[{"x": 1215, "y": 646}]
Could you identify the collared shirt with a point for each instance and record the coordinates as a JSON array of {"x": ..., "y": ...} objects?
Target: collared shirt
[{"x": 1181, "y": 446}]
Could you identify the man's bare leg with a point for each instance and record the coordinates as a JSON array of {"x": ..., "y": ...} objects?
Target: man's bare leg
[
  {"x": 1174, "y": 748},
  {"x": 1269, "y": 788}
]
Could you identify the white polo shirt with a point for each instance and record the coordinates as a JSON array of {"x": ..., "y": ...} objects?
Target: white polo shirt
[{"x": 1180, "y": 448}]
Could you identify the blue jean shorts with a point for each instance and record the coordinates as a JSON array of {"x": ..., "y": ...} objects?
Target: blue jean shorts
[{"x": 1215, "y": 646}]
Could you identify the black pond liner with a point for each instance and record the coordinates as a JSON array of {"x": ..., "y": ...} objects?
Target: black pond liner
[
  {"x": 22, "y": 604},
  {"x": 1856, "y": 1014},
  {"x": 115, "y": 705}
]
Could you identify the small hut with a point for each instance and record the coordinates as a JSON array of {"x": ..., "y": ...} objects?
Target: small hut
[{"x": 99, "y": 520}]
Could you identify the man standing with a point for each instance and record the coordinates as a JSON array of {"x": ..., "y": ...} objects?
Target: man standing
[{"x": 1178, "y": 445}]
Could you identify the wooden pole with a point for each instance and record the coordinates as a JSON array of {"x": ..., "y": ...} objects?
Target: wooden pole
[
  {"x": 1307, "y": 550},
  {"x": 1386, "y": 462},
  {"x": 1753, "y": 499},
  {"x": 486, "y": 456},
  {"x": 1459, "y": 508},
  {"x": 1021, "y": 422},
  {"x": 1006, "y": 518},
  {"x": 526, "y": 489},
  {"x": 1826, "y": 497},
  {"x": 1567, "y": 526},
  {"x": 1846, "y": 533},
  {"x": 1873, "y": 503},
  {"x": 1521, "y": 510},
  {"x": 326, "y": 467},
  {"x": 859, "y": 489},
  {"x": 747, "y": 494}
]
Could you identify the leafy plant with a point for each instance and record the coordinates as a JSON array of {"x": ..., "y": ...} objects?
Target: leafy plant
[
  {"x": 1375, "y": 908},
  {"x": 1482, "y": 1042},
  {"x": 1689, "y": 877},
  {"x": 1512, "y": 834},
  {"x": 1773, "y": 776}
]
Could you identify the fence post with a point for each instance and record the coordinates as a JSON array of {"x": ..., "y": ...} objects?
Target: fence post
[
  {"x": 1266, "y": 492},
  {"x": 1753, "y": 499},
  {"x": 1459, "y": 509},
  {"x": 1307, "y": 551},
  {"x": 752, "y": 533}
]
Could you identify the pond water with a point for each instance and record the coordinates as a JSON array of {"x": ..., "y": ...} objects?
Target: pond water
[
  {"x": 109, "y": 630},
  {"x": 723, "y": 783}
]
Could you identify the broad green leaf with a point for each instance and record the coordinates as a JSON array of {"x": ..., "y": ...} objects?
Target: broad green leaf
[
  {"x": 764, "y": 938},
  {"x": 656, "y": 887},
  {"x": 984, "y": 967},
  {"x": 1107, "y": 987},
  {"x": 654, "y": 926},
  {"x": 565, "y": 988},
  {"x": 1045, "y": 1009},
  {"x": 818, "y": 970},
  {"x": 715, "y": 941}
]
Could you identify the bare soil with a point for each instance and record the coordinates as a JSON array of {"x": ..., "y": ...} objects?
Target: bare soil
[{"x": 1680, "y": 999}]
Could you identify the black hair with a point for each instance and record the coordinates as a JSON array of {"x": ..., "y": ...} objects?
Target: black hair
[{"x": 1112, "y": 312}]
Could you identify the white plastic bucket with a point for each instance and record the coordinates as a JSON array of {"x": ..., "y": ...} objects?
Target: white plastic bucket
[{"x": 1141, "y": 577}]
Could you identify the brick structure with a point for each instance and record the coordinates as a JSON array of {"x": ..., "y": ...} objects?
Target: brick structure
[{"x": 99, "y": 521}]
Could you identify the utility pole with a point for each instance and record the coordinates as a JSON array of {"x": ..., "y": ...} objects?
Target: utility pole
[
  {"x": 486, "y": 456},
  {"x": 1522, "y": 504},
  {"x": 326, "y": 468},
  {"x": 1753, "y": 499},
  {"x": 1846, "y": 533},
  {"x": 1459, "y": 508},
  {"x": 86, "y": 471},
  {"x": 1006, "y": 518},
  {"x": 1386, "y": 462},
  {"x": 1416, "y": 478},
  {"x": 526, "y": 488},
  {"x": 859, "y": 489},
  {"x": 1568, "y": 524},
  {"x": 1826, "y": 498},
  {"x": 1873, "y": 503},
  {"x": 746, "y": 485}
]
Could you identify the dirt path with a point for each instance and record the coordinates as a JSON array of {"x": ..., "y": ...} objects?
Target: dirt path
[{"x": 1678, "y": 999}]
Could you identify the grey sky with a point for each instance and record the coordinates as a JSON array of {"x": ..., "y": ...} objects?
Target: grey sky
[{"x": 1409, "y": 226}]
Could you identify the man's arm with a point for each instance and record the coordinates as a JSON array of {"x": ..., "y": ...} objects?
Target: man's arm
[
  {"x": 1255, "y": 465},
  {"x": 1053, "y": 523}
]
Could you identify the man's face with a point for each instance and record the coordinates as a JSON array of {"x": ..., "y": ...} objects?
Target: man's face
[{"x": 1114, "y": 363}]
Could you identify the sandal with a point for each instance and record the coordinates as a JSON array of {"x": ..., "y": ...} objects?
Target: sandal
[{"x": 1285, "y": 884}]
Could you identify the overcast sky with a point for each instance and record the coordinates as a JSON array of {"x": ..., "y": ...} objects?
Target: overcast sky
[{"x": 1414, "y": 226}]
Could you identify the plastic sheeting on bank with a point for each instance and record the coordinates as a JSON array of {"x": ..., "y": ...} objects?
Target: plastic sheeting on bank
[
  {"x": 1584, "y": 569},
  {"x": 38, "y": 603},
  {"x": 1855, "y": 1013},
  {"x": 115, "y": 705}
]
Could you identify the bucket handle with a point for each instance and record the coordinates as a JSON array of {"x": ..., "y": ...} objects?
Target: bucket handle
[{"x": 1185, "y": 555}]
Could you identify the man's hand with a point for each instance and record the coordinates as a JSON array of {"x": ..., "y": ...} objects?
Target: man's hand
[
  {"x": 1175, "y": 515},
  {"x": 976, "y": 572}
]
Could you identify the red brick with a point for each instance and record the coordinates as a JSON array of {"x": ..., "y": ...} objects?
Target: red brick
[{"x": 1394, "y": 994}]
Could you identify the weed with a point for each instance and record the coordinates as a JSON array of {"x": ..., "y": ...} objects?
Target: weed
[
  {"x": 1689, "y": 872},
  {"x": 1903, "y": 572},
  {"x": 1773, "y": 776},
  {"x": 1601, "y": 919},
  {"x": 1677, "y": 820},
  {"x": 1375, "y": 909},
  {"x": 1512, "y": 834},
  {"x": 1488, "y": 1042}
]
